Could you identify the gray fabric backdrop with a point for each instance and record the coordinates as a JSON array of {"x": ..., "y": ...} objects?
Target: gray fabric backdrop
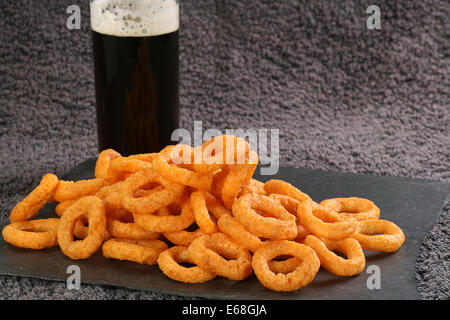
[{"x": 345, "y": 98}]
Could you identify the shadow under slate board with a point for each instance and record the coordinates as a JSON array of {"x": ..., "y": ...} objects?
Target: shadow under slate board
[{"x": 411, "y": 204}]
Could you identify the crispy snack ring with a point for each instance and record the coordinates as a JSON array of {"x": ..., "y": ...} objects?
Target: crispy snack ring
[
  {"x": 254, "y": 186},
  {"x": 167, "y": 223},
  {"x": 184, "y": 237},
  {"x": 95, "y": 210},
  {"x": 33, "y": 234},
  {"x": 285, "y": 188},
  {"x": 337, "y": 265},
  {"x": 284, "y": 266},
  {"x": 81, "y": 230},
  {"x": 379, "y": 235},
  {"x": 122, "y": 167},
  {"x": 291, "y": 205},
  {"x": 238, "y": 176},
  {"x": 169, "y": 263},
  {"x": 103, "y": 162},
  {"x": 29, "y": 207},
  {"x": 218, "y": 181},
  {"x": 165, "y": 167},
  {"x": 277, "y": 224},
  {"x": 153, "y": 201},
  {"x": 324, "y": 223},
  {"x": 358, "y": 208},
  {"x": 203, "y": 203},
  {"x": 221, "y": 151},
  {"x": 128, "y": 230},
  {"x": 300, "y": 277},
  {"x": 63, "y": 206},
  {"x": 207, "y": 252},
  {"x": 139, "y": 251},
  {"x": 70, "y": 190},
  {"x": 230, "y": 226}
]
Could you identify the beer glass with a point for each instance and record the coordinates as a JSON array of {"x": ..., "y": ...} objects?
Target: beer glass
[{"x": 135, "y": 44}]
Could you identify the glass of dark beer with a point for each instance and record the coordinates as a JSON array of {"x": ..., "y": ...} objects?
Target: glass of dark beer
[{"x": 135, "y": 44}]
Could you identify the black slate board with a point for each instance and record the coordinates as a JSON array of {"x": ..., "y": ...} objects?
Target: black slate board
[{"x": 412, "y": 204}]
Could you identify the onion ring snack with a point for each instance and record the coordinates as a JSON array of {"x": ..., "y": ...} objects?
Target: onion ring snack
[
  {"x": 63, "y": 206},
  {"x": 238, "y": 176},
  {"x": 280, "y": 224},
  {"x": 335, "y": 264},
  {"x": 183, "y": 238},
  {"x": 230, "y": 226},
  {"x": 154, "y": 201},
  {"x": 379, "y": 235},
  {"x": 300, "y": 277},
  {"x": 203, "y": 218},
  {"x": 129, "y": 230},
  {"x": 324, "y": 223},
  {"x": 95, "y": 210},
  {"x": 169, "y": 263},
  {"x": 139, "y": 251},
  {"x": 70, "y": 190},
  {"x": 207, "y": 252},
  {"x": 29, "y": 207},
  {"x": 254, "y": 186},
  {"x": 103, "y": 162},
  {"x": 33, "y": 234},
  {"x": 167, "y": 223},
  {"x": 220, "y": 151},
  {"x": 358, "y": 208},
  {"x": 165, "y": 167},
  {"x": 121, "y": 168},
  {"x": 285, "y": 188}
]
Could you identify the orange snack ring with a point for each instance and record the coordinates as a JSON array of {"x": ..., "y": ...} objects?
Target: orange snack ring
[
  {"x": 379, "y": 235},
  {"x": 129, "y": 230},
  {"x": 147, "y": 157},
  {"x": 70, "y": 190},
  {"x": 278, "y": 224},
  {"x": 218, "y": 181},
  {"x": 285, "y": 188},
  {"x": 169, "y": 263},
  {"x": 166, "y": 223},
  {"x": 254, "y": 186},
  {"x": 335, "y": 264},
  {"x": 312, "y": 215},
  {"x": 29, "y": 207},
  {"x": 152, "y": 202},
  {"x": 238, "y": 176},
  {"x": 81, "y": 230},
  {"x": 103, "y": 162},
  {"x": 121, "y": 168},
  {"x": 63, "y": 206},
  {"x": 95, "y": 210},
  {"x": 183, "y": 237},
  {"x": 300, "y": 277},
  {"x": 220, "y": 151},
  {"x": 33, "y": 234},
  {"x": 358, "y": 208},
  {"x": 202, "y": 216},
  {"x": 207, "y": 251},
  {"x": 284, "y": 266},
  {"x": 139, "y": 251},
  {"x": 163, "y": 165},
  {"x": 230, "y": 226}
]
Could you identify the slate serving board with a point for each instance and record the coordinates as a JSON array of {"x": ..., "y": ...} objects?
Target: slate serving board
[{"x": 411, "y": 204}]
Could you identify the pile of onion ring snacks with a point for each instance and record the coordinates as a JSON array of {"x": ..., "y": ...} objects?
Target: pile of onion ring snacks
[{"x": 199, "y": 217}]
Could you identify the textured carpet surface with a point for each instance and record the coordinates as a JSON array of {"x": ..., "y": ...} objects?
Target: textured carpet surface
[{"x": 345, "y": 98}]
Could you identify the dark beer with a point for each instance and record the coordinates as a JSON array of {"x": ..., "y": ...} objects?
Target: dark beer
[{"x": 136, "y": 82}]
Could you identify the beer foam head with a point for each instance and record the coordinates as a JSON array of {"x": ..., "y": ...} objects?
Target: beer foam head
[{"x": 134, "y": 18}]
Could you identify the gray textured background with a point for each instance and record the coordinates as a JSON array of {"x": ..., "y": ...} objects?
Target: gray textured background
[{"x": 345, "y": 98}]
